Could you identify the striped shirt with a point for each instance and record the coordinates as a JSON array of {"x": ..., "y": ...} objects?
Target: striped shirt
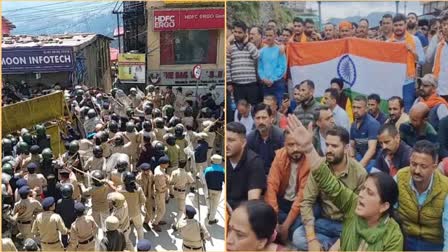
[{"x": 241, "y": 64}]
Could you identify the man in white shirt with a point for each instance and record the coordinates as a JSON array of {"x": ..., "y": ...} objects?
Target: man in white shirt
[
  {"x": 330, "y": 99},
  {"x": 244, "y": 116}
]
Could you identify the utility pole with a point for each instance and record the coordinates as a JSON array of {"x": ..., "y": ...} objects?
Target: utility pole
[
  {"x": 320, "y": 14},
  {"x": 396, "y": 6}
]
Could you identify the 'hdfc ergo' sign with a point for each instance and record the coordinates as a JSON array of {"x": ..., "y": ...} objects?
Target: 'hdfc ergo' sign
[{"x": 188, "y": 19}]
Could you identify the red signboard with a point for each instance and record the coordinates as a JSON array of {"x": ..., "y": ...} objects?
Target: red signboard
[{"x": 188, "y": 19}]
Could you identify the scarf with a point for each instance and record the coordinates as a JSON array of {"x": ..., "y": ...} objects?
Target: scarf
[
  {"x": 367, "y": 238},
  {"x": 437, "y": 59},
  {"x": 409, "y": 39},
  {"x": 433, "y": 101}
]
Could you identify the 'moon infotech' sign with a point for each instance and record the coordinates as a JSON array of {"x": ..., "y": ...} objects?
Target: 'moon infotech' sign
[{"x": 37, "y": 60}]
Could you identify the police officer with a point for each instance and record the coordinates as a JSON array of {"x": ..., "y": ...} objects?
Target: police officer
[
  {"x": 83, "y": 231},
  {"x": 160, "y": 130},
  {"x": 42, "y": 139},
  {"x": 146, "y": 148},
  {"x": 98, "y": 193},
  {"x": 67, "y": 177},
  {"x": 214, "y": 177},
  {"x": 33, "y": 158},
  {"x": 113, "y": 239},
  {"x": 7, "y": 147},
  {"x": 95, "y": 163},
  {"x": 23, "y": 152},
  {"x": 112, "y": 129},
  {"x": 29, "y": 208},
  {"x": 72, "y": 159},
  {"x": 65, "y": 208},
  {"x": 145, "y": 180},
  {"x": 133, "y": 137},
  {"x": 209, "y": 128},
  {"x": 144, "y": 245},
  {"x": 121, "y": 211},
  {"x": 191, "y": 231},
  {"x": 159, "y": 151},
  {"x": 173, "y": 152},
  {"x": 37, "y": 182},
  {"x": 120, "y": 147},
  {"x": 182, "y": 143},
  {"x": 136, "y": 201},
  {"x": 200, "y": 153},
  {"x": 8, "y": 245},
  {"x": 179, "y": 180},
  {"x": 47, "y": 165},
  {"x": 48, "y": 225},
  {"x": 188, "y": 119},
  {"x": 160, "y": 189},
  {"x": 116, "y": 174}
]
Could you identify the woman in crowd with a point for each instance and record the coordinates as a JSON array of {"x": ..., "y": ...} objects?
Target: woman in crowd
[
  {"x": 368, "y": 224},
  {"x": 252, "y": 228}
]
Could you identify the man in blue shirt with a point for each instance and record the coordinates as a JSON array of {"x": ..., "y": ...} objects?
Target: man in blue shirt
[
  {"x": 266, "y": 138},
  {"x": 373, "y": 102},
  {"x": 363, "y": 134},
  {"x": 214, "y": 177},
  {"x": 272, "y": 67}
]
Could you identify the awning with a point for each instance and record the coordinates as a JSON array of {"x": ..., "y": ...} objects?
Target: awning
[{"x": 114, "y": 54}]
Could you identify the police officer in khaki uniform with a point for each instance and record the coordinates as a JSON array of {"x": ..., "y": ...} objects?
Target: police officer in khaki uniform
[
  {"x": 121, "y": 211},
  {"x": 159, "y": 129},
  {"x": 136, "y": 201},
  {"x": 145, "y": 180},
  {"x": 95, "y": 163},
  {"x": 48, "y": 226},
  {"x": 67, "y": 177},
  {"x": 211, "y": 135},
  {"x": 83, "y": 231},
  {"x": 36, "y": 181},
  {"x": 98, "y": 193},
  {"x": 29, "y": 208},
  {"x": 179, "y": 133},
  {"x": 191, "y": 231},
  {"x": 113, "y": 239},
  {"x": 116, "y": 174},
  {"x": 8, "y": 245},
  {"x": 179, "y": 180},
  {"x": 160, "y": 189}
]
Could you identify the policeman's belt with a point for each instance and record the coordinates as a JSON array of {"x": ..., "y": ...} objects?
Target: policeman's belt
[
  {"x": 24, "y": 222},
  {"x": 87, "y": 241},
  {"x": 50, "y": 243},
  {"x": 192, "y": 248},
  {"x": 179, "y": 190}
]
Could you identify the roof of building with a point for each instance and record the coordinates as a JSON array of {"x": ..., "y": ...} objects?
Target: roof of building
[{"x": 71, "y": 40}]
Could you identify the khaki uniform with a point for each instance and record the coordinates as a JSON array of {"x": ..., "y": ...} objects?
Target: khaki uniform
[
  {"x": 159, "y": 134},
  {"x": 122, "y": 214},
  {"x": 182, "y": 143},
  {"x": 173, "y": 153},
  {"x": 25, "y": 220},
  {"x": 179, "y": 105},
  {"x": 106, "y": 149},
  {"x": 115, "y": 177},
  {"x": 20, "y": 163},
  {"x": 136, "y": 201},
  {"x": 93, "y": 164},
  {"x": 100, "y": 205},
  {"x": 125, "y": 149},
  {"x": 82, "y": 234},
  {"x": 179, "y": 180},
  {"x": 146, "y": 183},
  {"x": 134, "y": 147},
  {"x": 210, "y": 139},
  {"x": 189, "y": 120},
  {"x": 190, "y": 231},
  {"x": 8, "y": 245},
  {"x": 47, "y": 227},
  {"x": 135, "y": 101},
  {"x": 36, "y": 180},
  {"x": 31, "y": 159},
  {"x": 151, "y": 134},
  {"x": 160, "y": 189}
]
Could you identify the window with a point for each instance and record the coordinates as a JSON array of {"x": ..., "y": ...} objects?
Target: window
[{"x": 188, "y": 47}]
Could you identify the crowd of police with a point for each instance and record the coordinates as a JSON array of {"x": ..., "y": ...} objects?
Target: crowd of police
[{"x": 126, "y": 157}]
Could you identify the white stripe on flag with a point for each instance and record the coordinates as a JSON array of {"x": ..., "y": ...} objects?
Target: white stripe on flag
[{"x": 383, "y": 78}]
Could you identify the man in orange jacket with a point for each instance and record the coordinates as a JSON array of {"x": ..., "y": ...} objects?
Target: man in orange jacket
[{"x": 286, "y": 182}]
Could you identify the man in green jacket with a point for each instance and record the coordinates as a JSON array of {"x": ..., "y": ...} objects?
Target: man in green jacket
[{"x": 423, "y": 204}]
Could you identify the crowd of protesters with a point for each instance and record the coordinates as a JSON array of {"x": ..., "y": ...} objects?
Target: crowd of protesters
[
  {"x": 335, "y": 172},
  {"x": 125, "y": 157}
]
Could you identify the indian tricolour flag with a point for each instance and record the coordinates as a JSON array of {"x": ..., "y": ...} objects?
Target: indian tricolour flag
[{"x": 365, "y": 66}]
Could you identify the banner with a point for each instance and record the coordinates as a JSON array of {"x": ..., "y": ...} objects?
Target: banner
[
  {"x": 131, "y": 68},
  {"x": 188, "y": 19},
  {"x": 365, "y": 66},
  {"x": 26, "y": 114},
  {"x": 37, "y": 60}
]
